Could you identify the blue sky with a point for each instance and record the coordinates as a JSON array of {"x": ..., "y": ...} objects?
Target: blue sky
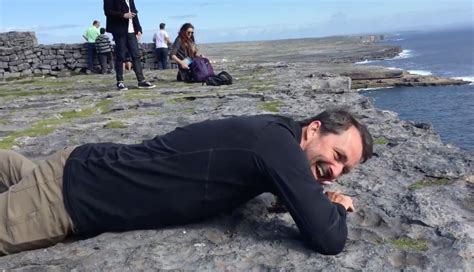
[{"x": 233, "y": 20}]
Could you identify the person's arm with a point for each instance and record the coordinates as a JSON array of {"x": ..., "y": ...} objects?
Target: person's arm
[
  {"x": 339, "y": 198},
  {"x": 135, "y": 20},
  {"x": 181, "y": 63},
  {"x": 110, "y": 10},
  {"x": 322, "y": 224},
  {"x": 175, "y": 52},
  {"x": 167, "y": 39},
  {"x": 85, "y": 36}
]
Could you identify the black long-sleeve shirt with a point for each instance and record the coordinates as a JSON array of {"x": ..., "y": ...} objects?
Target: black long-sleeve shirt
[{"x": 197, "y": 171}]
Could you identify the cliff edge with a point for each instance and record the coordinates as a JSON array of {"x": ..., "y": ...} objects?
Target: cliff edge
[{"x": 414, "y": 199}]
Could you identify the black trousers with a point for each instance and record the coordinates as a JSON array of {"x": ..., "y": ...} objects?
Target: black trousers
[
  {"x": 127, "y": 43},
  {"x": 105, "y": 59}
]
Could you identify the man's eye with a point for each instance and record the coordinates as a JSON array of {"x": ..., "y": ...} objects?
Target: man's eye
[{"x": 345, "y": 170}]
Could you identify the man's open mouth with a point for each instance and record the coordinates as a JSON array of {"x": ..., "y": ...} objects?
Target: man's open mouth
[
  {"x": 322, "y": 171},
  {"x": 323, "y": 174}
]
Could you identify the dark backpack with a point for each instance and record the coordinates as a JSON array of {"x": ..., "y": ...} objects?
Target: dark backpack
[
  {"x": 201, "y": 69},
  {"x": 223, "y": 78}
]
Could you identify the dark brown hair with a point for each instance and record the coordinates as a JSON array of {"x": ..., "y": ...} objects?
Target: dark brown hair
[
  {"x": 337, "y": 121},
  {"x": 187, "y": 42}
]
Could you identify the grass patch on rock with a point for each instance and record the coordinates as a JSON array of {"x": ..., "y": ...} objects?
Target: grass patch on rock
[
  {"x": 258, "y": 88},
  {"x": 78, "y": 113},
  {"x": 154, "y": 113},
  {"x": 21, "y": 93},
  {"x": 381, "y": 141},
  {"x": 103, "y": 106},
  {"x": 47, "y": 126},
  {"x": 115, "y": 124},
  {"x": 140, "y": 94},
  {"x": 271, "y": 106},
  {"x": 410, "y": 244},
  {"x": 40, "y": 128},
  {"x": 177, "y": 100},
  {"x": 428, "y": 183},
  {"x": 24, "y": 81}
]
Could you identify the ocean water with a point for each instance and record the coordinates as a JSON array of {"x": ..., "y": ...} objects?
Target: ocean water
[{"x": 450, "y": 109}]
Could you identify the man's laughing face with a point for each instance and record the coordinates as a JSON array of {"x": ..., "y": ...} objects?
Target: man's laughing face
[{"x": 331, "y": 155}]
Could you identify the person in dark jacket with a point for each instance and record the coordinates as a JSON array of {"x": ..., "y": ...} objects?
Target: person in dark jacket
[
  {"x": 104, "y": 49},
  {"x": 191, "y": 173},
  {"x": 123, "y": 23}
]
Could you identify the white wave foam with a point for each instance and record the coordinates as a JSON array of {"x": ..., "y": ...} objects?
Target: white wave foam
[
  {"x": 406, "y": 53},
  {"x": 393, "y": 68},
  {"x": 466, "y": 78},
  {"x": 420, "y": 72},
  {"x": 373, "y": 88},
  {"x": 364, "y": 62},
  {"x": 395, "y": 40}
]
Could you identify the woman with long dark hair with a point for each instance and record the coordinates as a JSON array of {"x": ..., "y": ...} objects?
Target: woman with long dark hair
[{"x": 184, "y": 50}]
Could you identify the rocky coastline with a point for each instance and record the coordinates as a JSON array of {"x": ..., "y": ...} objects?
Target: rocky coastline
[
  {"x": 414, "y": 199},
  {"x": 379, "y": 77}
]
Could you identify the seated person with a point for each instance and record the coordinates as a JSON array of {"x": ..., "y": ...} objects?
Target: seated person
[{"x": 184, "y": 50}]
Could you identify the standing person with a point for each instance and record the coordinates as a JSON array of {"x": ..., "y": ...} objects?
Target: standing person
[
  {"x": 90, "y": 35},
  {"x": 123, "y": 23},
  {"x": 161, "y": 40},
  {"x": 104, "y": 49},
  {"x": 184, "y": 50},
  {"x": 188, "y": 174}
]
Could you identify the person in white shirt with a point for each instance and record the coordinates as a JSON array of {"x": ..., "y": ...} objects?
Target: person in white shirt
[{"x": 161, "y": 40}]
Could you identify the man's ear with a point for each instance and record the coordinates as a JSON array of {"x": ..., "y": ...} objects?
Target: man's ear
[{"x": 313, "y": 129}]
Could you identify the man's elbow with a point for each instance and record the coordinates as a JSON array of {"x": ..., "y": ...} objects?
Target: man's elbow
[
  {"x": 328, "y": 246},
  {"x": 329, "y": 249},
  {"x": 331, "y": 243}
]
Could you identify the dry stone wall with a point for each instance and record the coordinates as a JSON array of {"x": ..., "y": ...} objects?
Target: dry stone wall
[{"x": 20, "y": 55}]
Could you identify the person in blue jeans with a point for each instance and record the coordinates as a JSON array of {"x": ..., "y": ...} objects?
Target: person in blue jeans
[
  {"x": 123, "y": 24},
  {"x": 161, "y": 40}
]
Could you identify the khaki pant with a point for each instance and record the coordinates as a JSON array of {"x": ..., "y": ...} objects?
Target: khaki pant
[{"x": 32, "y": 212}]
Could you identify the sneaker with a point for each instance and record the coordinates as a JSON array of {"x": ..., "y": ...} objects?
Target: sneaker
[
  {"x": 145, "y": 85},
  {"x": 121, "y": 86}
]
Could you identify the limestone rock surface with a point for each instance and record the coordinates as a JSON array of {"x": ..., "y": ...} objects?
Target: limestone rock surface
[{"x": 414, "y": 199}]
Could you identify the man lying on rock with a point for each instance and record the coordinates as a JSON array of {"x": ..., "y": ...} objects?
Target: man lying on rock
[{"x": 188, "y": 174}]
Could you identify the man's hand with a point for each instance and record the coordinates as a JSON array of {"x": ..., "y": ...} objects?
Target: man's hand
[
  {"x": 345, "y": 201},
  {"x": 139, "y": 35},
  {"x": 129, "y": 15}
]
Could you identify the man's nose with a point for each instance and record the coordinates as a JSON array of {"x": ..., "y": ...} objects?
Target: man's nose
[{"x": 337, "y": 170}]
